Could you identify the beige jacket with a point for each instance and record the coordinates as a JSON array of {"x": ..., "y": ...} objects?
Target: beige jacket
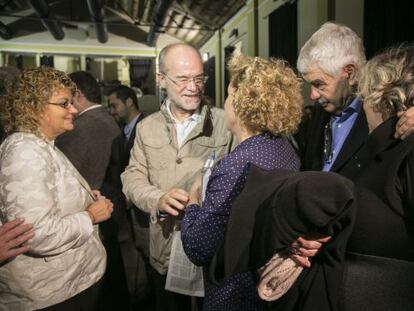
[
  {"x": 38, "y": 183},
  {"x": 158, "y": 165}
]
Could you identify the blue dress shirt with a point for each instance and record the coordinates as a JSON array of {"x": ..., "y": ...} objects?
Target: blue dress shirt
[{"x": 341, "y": 126}]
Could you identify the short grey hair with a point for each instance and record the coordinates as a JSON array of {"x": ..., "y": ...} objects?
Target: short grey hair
[
  {"x": 331, "y": 48},
  {"x": 166, "y": 49}
]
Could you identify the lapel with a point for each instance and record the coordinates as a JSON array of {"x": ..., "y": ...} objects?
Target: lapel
[
  {"x": 130, "y": 143},
  {"x": 355, "y": 140},
  {"x": 205, "y": 126},
  {"x": 313, "y": 158},
  {"x": 382, "y": 138}
]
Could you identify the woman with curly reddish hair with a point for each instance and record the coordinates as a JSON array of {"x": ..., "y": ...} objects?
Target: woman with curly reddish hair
[
  {"x": 264, "y": 105},
  {"x": 65, "y": 259}
]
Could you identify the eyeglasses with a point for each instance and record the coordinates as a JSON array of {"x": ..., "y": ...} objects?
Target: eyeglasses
[
  {"x": 64, "y": 105},
  {"x": 183, "y": 81}
]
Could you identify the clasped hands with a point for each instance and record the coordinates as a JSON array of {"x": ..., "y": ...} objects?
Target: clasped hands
[{"x": 101, "y": 209}]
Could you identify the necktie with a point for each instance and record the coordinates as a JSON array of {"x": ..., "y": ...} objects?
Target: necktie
[{"x": 327, "y": 143}]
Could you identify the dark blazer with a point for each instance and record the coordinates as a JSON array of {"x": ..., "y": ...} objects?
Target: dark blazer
[
  {"x": 126, "y": 148},
  {"x": 120, "y": 154},
  {"x": 311, "y": 144},
  {"x": 112, "y": 185},
  {"x": 385, "y": 223},
  {"x": 141, "y": 217},
  {"x": 88, "y": 145},
  {"x": 380, "y": 251}
]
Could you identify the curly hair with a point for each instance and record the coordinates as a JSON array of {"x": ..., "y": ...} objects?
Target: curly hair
[
  {"x": 387, "y": 81},
  {"x": 26, "y": 98},
  {"x": 267, "y": 94}
]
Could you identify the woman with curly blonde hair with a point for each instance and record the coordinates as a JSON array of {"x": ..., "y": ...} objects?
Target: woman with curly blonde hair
[
  {"x": 380, "y": 265},
  {"x": 264, "y": 105},
  {"x": 65, "y": 259}
]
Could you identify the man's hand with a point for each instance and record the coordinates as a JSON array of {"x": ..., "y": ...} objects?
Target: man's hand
[
  {"x": 173, "y": 201},
  {"x": 12, "y": 235},
  {"x": 305, "y": 247},
  {"x": 405, "y": 125}
]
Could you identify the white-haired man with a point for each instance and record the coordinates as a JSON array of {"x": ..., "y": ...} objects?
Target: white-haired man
[{"x": 330, "y": 61}]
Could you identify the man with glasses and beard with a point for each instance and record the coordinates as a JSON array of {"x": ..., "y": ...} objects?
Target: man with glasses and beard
[{"x": 169, "y": 151}]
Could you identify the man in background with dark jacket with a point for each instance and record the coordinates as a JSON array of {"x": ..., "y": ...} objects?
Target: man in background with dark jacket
[
  {"x": 134, "y": 232},
  {"x": 88, "y": 147}
]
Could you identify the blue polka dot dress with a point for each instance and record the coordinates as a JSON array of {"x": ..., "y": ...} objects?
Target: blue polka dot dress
[{"x": 202, "y": 229}]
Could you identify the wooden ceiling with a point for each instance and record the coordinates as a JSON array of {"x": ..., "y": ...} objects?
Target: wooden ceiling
[{"x": 191, "y": 21}]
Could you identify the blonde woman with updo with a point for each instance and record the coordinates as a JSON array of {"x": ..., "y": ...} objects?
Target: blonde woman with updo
[
  {"x": 379, "y": 272},
  {"x": 264, "y": 105}
]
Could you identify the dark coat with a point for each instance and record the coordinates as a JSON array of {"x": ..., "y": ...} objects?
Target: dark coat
[
  {"x": 88, "y": 145},
  {"x": 126, "y": 148},
  {"x": 275, "y": 208},
  {"x": 141, "y": 217},
  {"x": 89, "y": 148},
  {"x": 380, "y": 253},
  {"x": 385, "y": 222},
  {"x": 112, "y": 185},
  {"x": 311, "y": 144}
]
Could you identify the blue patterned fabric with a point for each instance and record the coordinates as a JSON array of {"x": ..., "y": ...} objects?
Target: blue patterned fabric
[{"x": 203, "y": 227}]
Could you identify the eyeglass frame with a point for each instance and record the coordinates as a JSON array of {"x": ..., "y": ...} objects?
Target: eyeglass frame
[
  {"x": 188, "y": 80},
  {"x": 64, "y": 105}
]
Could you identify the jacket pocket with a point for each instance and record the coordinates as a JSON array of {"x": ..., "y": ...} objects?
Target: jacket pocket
[
  {"x": 156, "y": 143},
  {"x": 157, "y": 153},
  {"x": 213, "y": 141}
]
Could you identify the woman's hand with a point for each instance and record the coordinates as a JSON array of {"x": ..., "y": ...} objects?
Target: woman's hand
[
  {"x": 405, "y": 124},
  {"x": 305, "y": 247},
  {"x": 97, "y": 194},
  {"x": 100, "y": 210},
  {"x": 195, "y": 192},
  {"x": 12, "y": 235}
]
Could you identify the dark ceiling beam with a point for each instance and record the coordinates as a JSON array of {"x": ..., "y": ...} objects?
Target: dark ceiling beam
[
  {"x": 43, "y": 11},
  {"x": 205, "y": 21},
  {"x": 14, "y": 5},
  {"x": 149, "y": 8},
  {"x": 158, "y": 18},
  {"x": 134, "y": 9},
  {"x": 5, "y": 31},
  {"x": 137, "y": 10},
  {"x": 97, "y": 12},
  {"x": 141, "y": 9}
]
